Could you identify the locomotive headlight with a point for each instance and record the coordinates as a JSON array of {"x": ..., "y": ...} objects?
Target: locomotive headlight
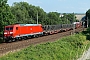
[
  {"x": 11, "y": 32},
  {"x": 5, "y": 32}
]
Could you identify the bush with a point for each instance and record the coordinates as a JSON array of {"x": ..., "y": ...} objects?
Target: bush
[
  {"x": 76, "y": 40},
  {"x": 1, "y": 37},
  {"x": 88, "y": 29}
]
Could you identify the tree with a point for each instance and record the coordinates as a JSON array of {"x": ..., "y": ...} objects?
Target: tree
[
  {"x": 20, "y": 11},
  {"x": 53, "y": 18},
  {"x": 68, "y": 18},
  {"x": 25, "y": 13},
  {"x": 88, "y": 16},
  {"x": 6, "y": 17}
]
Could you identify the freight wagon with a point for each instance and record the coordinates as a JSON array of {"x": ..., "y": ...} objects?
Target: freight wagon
[{"x": 52, "y": 29}]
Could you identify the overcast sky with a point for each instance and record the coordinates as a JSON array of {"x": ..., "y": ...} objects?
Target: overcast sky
[{"x": 61, "y": 6}]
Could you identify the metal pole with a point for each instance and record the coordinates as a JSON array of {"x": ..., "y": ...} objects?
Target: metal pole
[
  {"x": 67, "y": 20},
  {"x": 73, "y": 28},
  {"x": 73, "y": 24},
  {"x": 83, "y": 26},
  {"x": 87, "y": 22},
  {"x": 37, "y": 17}
]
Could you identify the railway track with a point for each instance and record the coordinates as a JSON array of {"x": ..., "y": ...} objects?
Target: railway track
[{"x": 14, "y": 46}]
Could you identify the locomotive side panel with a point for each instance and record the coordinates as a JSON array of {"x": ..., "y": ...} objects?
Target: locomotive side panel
[{"x": 29, "y": 30}]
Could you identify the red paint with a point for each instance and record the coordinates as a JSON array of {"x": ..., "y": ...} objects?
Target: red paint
[{"x": 19, "y": 30}]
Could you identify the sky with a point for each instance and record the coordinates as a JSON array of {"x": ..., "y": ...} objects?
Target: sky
[{"x": 61, "y": 6}]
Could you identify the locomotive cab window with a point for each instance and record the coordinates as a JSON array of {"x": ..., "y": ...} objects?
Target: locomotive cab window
[
  {"x": 16, "y": 28},
  {"x": 11, "y": 28},
  {"x": 7, "y": 28}
]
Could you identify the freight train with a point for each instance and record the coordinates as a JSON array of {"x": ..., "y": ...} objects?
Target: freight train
[{"x": 23, "y": 31}]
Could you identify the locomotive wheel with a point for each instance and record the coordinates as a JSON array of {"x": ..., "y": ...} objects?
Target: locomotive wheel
[
  {"x": 20, "y": 38},
  {"x": 10, "y": 40},
  {"x": 25, "y": 38},
  {"x": 40, "y": 35},
  {"x": 29, "y": 37},
  {"x": 6, "y": 41},
  {"x": 13, "y": 40},
  {"x": 36, "y": 36}
]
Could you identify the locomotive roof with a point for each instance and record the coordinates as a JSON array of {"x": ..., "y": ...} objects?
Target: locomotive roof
[
  {"x": 29, "y": 24},
  {"x": 24, "y": 25}
]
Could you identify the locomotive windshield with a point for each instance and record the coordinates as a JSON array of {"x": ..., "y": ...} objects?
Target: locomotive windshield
[{"x": 9, "y": 28}]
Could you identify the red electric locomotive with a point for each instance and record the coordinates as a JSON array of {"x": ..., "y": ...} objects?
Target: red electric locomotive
[{"x": 22, "y": 31}]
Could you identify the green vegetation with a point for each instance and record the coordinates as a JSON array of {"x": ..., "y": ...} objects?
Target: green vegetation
[
  {"x": 27, "y": 13},
  {"x": 88, "y": 16},
  {"x": 23, "y": 12},
  {"x": 87, "y": 33},
  {"x": 6, "y": 16},
  {"x": 67, "y": 48}
]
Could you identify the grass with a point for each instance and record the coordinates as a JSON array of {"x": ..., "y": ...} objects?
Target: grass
[{"x": 68, "y": 48}]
